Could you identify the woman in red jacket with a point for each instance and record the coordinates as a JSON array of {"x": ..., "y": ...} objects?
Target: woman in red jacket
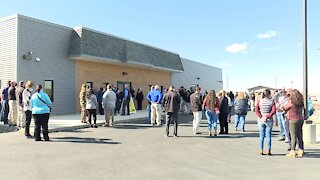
[{"x": 294, "y": 109}]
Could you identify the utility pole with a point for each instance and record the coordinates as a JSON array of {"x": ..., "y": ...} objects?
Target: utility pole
[{"x": 305, "y": 58}]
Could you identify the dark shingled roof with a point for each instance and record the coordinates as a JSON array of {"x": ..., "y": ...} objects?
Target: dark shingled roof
[{"x": 86, "y": 42}]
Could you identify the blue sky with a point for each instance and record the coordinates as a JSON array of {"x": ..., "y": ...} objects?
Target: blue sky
[{"x": 255, "y": 42}]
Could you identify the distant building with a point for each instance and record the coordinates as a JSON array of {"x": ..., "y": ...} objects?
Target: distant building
[
  {"x": 258, "y": 89},
  {"x": 198, "y": 74}
]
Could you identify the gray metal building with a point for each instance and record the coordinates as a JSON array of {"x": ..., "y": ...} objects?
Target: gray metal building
[{"x": 48, "y": 53}]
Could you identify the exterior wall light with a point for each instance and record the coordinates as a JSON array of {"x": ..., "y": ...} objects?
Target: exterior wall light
[{"x": 27, "y": 56}]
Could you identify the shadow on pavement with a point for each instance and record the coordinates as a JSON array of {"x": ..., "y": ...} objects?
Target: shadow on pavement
[{"x": 83, "y": 140}]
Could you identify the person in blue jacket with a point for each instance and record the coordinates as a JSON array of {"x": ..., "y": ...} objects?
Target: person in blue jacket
[
  {"x": 40, "y": 104},
  {"x": 155, "y": 97}
]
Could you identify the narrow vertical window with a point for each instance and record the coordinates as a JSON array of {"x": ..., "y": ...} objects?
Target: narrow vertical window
[{"x": 48, "y": 88}]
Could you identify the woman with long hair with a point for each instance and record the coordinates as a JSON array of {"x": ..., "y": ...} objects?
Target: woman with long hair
[
  {"x": 240, "y": 110},
  {"x": 294, "y": 109},
  {"x": 211, "y": 105},
  {"x": 224, "y": 111}
]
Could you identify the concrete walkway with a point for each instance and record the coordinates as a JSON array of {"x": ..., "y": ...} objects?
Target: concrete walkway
[{"x": 69, "y": 122}]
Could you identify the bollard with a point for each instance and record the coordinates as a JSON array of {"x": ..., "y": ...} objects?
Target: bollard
[
  {"x": 309, "y": 134},
  {"x": 318, "y": 132}
]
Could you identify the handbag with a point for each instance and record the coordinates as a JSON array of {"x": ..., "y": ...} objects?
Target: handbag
[{"x": 44, "y": 102}]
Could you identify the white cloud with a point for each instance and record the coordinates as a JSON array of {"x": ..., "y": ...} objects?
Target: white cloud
[
  {"x": 268, "y": 34},
  {"x": 236, "y": 48},
  {"x": 224, "y": 64},
  {"x": 272, "y": 48}
]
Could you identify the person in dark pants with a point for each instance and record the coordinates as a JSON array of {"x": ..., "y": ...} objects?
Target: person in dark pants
[
  {"x": 224, "y": 111},
  {"x": 126, "y": 100},
  {"x": 91, "y": 107},
  {"x": 171, "y": 103},
  {"x": 5, "y": 103},
  {"x": 99, "y": 98},
  {"x": 26, "y": 97},
  {"x": 139, "y": 98},
  {"x": 40, "y": 104}
]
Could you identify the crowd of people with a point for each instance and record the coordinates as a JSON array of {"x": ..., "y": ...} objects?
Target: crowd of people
[
  {"x": 19, "y": 102},
  {"x": 285, "y": 105}
]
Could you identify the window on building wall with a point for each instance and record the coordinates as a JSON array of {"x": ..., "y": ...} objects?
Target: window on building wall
[
  {"x": 49, "y": 88},
  {"x": 89, "y": 85}
]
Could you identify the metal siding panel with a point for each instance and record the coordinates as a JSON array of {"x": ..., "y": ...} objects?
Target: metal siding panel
[
  {"x": 50, "y": 43},
  {"x": 210, "y": 77},
  {"x": 8, "y": 50}
]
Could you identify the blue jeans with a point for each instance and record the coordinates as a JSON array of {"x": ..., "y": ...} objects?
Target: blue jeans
[
  {"x": 265, "y": 131},
  {"x": 212, "y": 119},
  {"x": 281, "y": 123},
  {"x": 242, "y": 119}
]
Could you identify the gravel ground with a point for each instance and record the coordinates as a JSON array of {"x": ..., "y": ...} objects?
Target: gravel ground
[{"x": 6, "y": 129}]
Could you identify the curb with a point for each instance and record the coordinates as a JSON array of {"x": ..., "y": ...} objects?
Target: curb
[{"x": 71, "y": 128}]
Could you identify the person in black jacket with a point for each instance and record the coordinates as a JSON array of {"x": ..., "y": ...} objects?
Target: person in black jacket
[
  {"x": 139, "y": 98},
  {"x": 171, "y": 103},
  {"x": 224, "y": 111}
]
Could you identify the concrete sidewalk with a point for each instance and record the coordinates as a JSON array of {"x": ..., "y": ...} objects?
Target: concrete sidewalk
[{"x": 69, "y": 122}]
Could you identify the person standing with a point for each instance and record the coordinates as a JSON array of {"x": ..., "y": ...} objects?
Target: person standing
[
  {"x": 171, "y": 103},
  {"x": 99, "y": 98},
  {"x": 21, "y": 114},
  {"x": 155, "y": 97},
  {"x": 240, "y": 110},
  {"x": 5, "y": 103},
  {"x": 40, "y": 104},
  {"x": 230, "y": 107},
  {"x": 196, "y": 106},
  {"x": 91, "y": 107},
  {"x": 13, "y": 104},
  {"x": 139, "y": 98},
  {"x": 126, "y": 100},
  {"x": 224, "y": 111},
  {"x": 26, "y": 97},
  {"x": 265, "y": 109},
  {"x": 82, "y": 97},
  {"x": 149, "y": 104},
  {"x": 279, "y": 113},
  {"x": 252, "y": 101},
  {"x": 294, "y": 110},
  {"x": 211, "y": 105},
  {"x": 109, "y": 104}
]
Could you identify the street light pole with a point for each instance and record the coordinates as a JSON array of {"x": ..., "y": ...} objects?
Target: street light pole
[{"x": 305, "y": 58}]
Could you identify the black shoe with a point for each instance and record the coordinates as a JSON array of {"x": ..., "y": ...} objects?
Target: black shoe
[
  {"x": 38, "y": 140},
  {"x": 28, "y": 136},
  {"x": 226, "y": 133},
  {"x": 175, "y": 135},
  {"x": 128, "y": 114},
  {"x": 95, "y": 126},
  {"x": 221, "y": 132},
  {"x": 91, "y": 125},
  {"x": 47, "y": 140}
]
